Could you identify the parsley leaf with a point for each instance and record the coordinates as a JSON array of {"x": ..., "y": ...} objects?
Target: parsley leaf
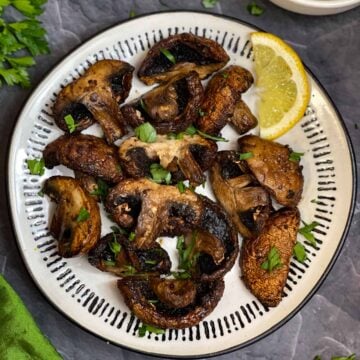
[
  {"x": 132, "y": 236},
  {"x": 299, "y": 252},
  {"x": 295, "y": 156},
  {"x": 168, "y": 55},
  {"x": 209, "y": 4},
  {"x": 83, "y": 215},
  {"x": 36, "y": 167},
  {"x": 201, "y": 113},
  {"x": 159, "y": 174},
  {"x": 132, "y": 14},
  {"x": 187, "y": 257},
  {"x": 191, "y": 130},
  {"x": 146, "y": 133},
  {"x": 149, "y": 328},
  {"x": 273, "y": 260},
  {"x": 115, "y": 247},
  {"x": 70, "y": 123},
  {"x": 225, "y": 75},
  {"x": 129, "y": 270},
  {"x": 254, "y": 9},
  {"x": 109, "y": 262},
  {"x": 306, "y": 232},
  {"x": 181, "y": 186},
  {"x": 29, "y": 8},
  {"x": 247, "y": 155},
  {"x": 181, "y": 275},
  {"x": 351, "y": 357}
]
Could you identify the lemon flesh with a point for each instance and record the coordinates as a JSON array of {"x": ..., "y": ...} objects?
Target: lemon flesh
[{"x": 282, "y": 84}]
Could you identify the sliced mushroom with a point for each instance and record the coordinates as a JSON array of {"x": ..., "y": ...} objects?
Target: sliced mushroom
[
  {"x": 88, "y": 183},
  {"x": 273, "y": 169},
  {"x": 159, "y": 210},
  {"x": 247, "y": 203},
  {"x": 242, "y": 119},
  {"x": 144, "y": 303},
  {"x": 114, "y": 253},
  {"x": 87, "y": 154},
  {"x": 155, "y": 210},
  {"x": 180, "y": 54},
  {"x": 76, "y": 223},
  {"x": 174, "y": 293},
  {"x": 185, "y": 158},
  {"x": 280, "y": 232},
  {"x": 96, "y": 96},
  {"x": 222, "y": 94},
  {"x": 170, "y": 107}
]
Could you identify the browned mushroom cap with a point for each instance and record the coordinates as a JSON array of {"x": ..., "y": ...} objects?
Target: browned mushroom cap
[
  {"x": 221, "y": 96},
  {"x": 114, "y": 253},
  {"x": 174, "y": 293},
  {"x": 143, "y": 302},
  {"x": 272, "y": 168},
  {"x": 242, "y": 119},
  {"x": 88, "y": 183},
  {"x": 155, "y": 210},
  {"x": 170, "y": 107},
  {"x": 190, "y": 52},
  {"x": 247, "y": 204},
  {"x": 96, "y": 96},
  {"x": 280, "y": 233},
  {"x": 76, "y": 222},
  {"x": 86, "y": 153},
  {"x": 159, "y": 210},
  {"x": 186, "y": 158}
]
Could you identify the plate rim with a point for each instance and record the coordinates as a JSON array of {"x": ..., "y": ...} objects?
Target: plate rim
[{"x": 316, "y": 287}]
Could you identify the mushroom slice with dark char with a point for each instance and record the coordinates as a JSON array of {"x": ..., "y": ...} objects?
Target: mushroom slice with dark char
[
  {"x": 95, "y": 97},
  {"x": 271, "y": 165},
  {"x": 186, "y": 158},
  {"x": 242, "y": 119},
  {"x": 279, "y": 235},
  {"x": 222, "y": 94},
  {"x": 180, "y": 54},
  {"x": 160, "y": 210},
  {"x": 87, "y": 154},
  {"x": 114, "y": 253},
  {"x": 245, "y": 201},
  {"x": 76, "y": 222},
  {"x": 148, "y": 307},
  {"x": 170, "y": 107}
]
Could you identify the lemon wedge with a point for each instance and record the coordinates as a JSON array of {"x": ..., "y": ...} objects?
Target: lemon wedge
[{"x": 282, "y": 83}]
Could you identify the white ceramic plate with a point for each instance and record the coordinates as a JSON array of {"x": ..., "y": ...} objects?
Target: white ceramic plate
[{"x": 90, "y": 297}]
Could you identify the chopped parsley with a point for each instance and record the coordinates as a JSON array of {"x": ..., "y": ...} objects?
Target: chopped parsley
[
  {"x": 299, "y": 252},
  {"x": 27, "y": 36},
  {"x": 254, "y": 9},
  {"x": 181, "y": 186},
  {"x": 146, "y": 133},
  {"x": 187, "y": 257},
  {"x": 295, "y": 156},
  {"x": 247, "y": 155},
  {"x": 209, "y": 4},
  {"x": 131, "y": 236},
  {"x": 115, "y": 247},
  {"x": 36, "y": 166},
  {"x": 83, "y": 215},
  {"x": 150, "y": 262},
  {"x": 128, "y": 270},
  {"x": 159, "y": 174},
  {"x": 101, "y": 190},
  {"x": 132, "y": 13},
  {"x": 201, "y": 113},
  {"x": 306, "y": 231},
  {"x": 273, "y": 260},
  {"x": 191, "y": 130},
  {"x": 109, "y": 262},
  {"x": 168, "y": 55},
  {"x": 225, "y": 75},
  {"x": 211, "y": 137},
  {"x": 181, "y": 275},
  {"x": 70, "y": 123},
  {"x": 149, "y": 328}
]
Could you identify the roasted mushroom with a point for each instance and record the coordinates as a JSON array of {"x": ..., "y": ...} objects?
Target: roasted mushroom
[
  {"x": 267, "y": 281},
  {"x": 158, "y": 210},
  {"x": 96, "y": 96},
  {"x": 114, "y": 253},
  {"x": 90, "y": 184},
  {"x": 186, "y": 158},
  {"x": 222, "y": 94},
  {"x": 242, "y": 119},
  {"x": 148, "y": 307},
  {"x": 170, "y": 107},
  {"x": 76, "y": 223},
  {"x": 271, "y": 165},
  {"x": 87, "y": 154},
  {"x": 247, "y": 203},
  {"x": 180, "y": 54}
]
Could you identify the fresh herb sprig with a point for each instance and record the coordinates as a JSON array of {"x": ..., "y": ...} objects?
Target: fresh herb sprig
[
  {"x": 254, "y": 9},
  {"x": 83, "y": 215},
  {"x": 299, "y": 252},
  {"x": 273, "y": 260},
  {"x": 295, "y": 156},
  {"x": 36, "y": 166},
  {"x": 146, "y": 133},
  {"x": 159, "y": 174},
  {"x": 149, "y": 328},
  {"x": 26, "y": 35},
  {"x": 306, "y": 231}
]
